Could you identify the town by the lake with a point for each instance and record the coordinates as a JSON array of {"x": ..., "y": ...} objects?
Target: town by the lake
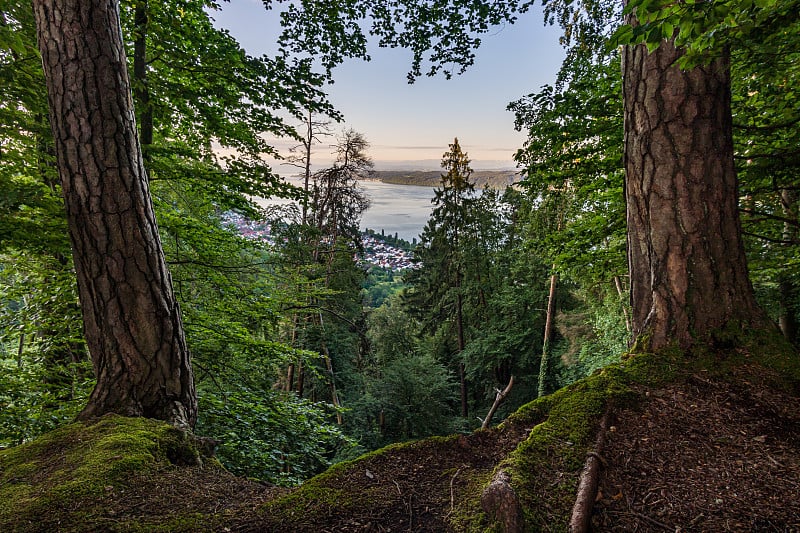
[{"x": 377, "y": 250}]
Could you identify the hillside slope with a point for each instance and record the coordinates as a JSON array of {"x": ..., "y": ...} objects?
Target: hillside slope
[
  {"x": 707, "y": 444},
  {"x": 498, "y": 179}
]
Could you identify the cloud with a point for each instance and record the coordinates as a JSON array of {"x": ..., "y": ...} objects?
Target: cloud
[
  {"x": 402, "y": 147},
  {"x": 475, "y": 147}
]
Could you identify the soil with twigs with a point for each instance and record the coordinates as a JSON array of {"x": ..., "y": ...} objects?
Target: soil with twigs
[
  {"x": 704, "y": 455},
  {"x": 700, "y": 454},
  {"x": 416, "y": 488}
]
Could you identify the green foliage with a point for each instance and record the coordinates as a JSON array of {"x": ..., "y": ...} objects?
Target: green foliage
[
  {"x": 415, "y": 394},
  {"x": 474, "y": 271},
  {"x": 379, "y": 285},
  {"x": 705, "y": 29},
  {"x": 574, "y": 178},
  {"x": 30, "y": 405},
  {"x": 46, "y": 374},
  {"x": 441, "y": 35},
  {"x": 573, "y": 164},
  {"x": 406, "y": 393},
  {"x": 765, "y": 75},
  {"x": 211, "y": 105},
  {"x": 31, "y": 209},
  {"x": 593, "y": 334},
  {"x": 276, "y": 437}
]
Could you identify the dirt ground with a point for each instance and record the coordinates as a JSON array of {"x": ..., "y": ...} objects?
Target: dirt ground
[{"x": 702, "y": 454}]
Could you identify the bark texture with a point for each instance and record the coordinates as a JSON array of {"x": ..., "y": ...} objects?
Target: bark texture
[
  {"x": 689, "y": 275},
  {"x": 501, "y": 503},
  {"x": 131, "y": 319}
]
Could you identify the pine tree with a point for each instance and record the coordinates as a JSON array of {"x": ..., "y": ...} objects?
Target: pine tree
[{"x": 438, "y": 283}]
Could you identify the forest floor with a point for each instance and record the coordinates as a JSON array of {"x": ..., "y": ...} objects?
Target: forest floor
[
  {"x": 705, "y": 454},
  {"x": 709, "y": 451}
]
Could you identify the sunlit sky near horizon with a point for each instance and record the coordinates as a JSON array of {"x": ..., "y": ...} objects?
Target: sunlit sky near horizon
[{"x": 410, "y": 126}]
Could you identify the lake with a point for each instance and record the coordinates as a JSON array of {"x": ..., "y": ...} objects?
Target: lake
[{"x": 401, "y": 209}]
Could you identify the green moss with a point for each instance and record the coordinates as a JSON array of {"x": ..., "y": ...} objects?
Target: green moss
[
  {"x": 773, "y": 351},
  {"x": 545, "y": 467},
  {"x": 467, "y": 514},
  {"x": 65, "y": 474},
  {"x": 326, "y": 490},
  {"x": 20, "y": 471}
]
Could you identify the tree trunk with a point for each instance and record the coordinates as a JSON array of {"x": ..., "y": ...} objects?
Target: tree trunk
[
  {"x": 141, "y": 90},
  {"x": 548, "y": 333},
  {"x": 301, "y": 379},
  {"x": 787, "y": 321},
  {"x": 787, "y": 288},
  {"x": 689, "y": 276},
  {"x": 307, "y": 144},
  {"x": 132, "y": 322},
  {"x": 461, "y": 345},
  {"x": 621, "y": 293}
]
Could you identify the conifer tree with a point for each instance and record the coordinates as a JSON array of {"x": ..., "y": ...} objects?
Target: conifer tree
[{"x": 439, "y": 283}]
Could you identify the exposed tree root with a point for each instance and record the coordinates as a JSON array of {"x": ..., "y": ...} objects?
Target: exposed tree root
[{"x": 587, "y": 486}]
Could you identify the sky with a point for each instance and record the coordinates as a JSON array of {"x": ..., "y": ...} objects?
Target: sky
[{"x": 410, "y": 126}]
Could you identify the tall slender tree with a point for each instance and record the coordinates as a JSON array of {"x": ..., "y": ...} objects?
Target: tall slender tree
[
  {"x": 438, "y": 284},
  {"x": 132, "y": 321}
]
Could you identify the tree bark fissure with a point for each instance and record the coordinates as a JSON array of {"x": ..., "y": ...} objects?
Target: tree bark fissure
[
  {"x": 688, "y": 270},
  {"x": 132, "y": 322}
]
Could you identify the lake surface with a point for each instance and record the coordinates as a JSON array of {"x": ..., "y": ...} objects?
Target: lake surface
[{"x": 401, "y": 209}]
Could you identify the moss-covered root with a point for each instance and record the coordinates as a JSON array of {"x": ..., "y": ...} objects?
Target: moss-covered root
[
  {"x": 543, "y": 472},
  {"x": 59, "y": 482}
]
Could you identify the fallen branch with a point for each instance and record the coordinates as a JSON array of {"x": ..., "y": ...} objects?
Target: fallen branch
[
  {"x": 501, "y": 395},
  {"x": 452, "y": 492},
  {"x": 587, "y": 486}
]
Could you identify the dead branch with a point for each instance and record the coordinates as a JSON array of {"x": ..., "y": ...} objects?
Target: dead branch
[
  {"x": 501, "y": 395},
  {"x": 452, "y": 493}
]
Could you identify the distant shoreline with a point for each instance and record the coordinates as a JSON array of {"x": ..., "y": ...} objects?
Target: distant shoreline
[{"x": 482, "y": 179}]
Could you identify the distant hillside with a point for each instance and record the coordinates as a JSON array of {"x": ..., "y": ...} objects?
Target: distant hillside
[{"x": 497, "y": 179}]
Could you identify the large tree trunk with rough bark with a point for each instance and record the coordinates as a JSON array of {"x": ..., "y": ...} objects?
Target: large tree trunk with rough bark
[
  {"x": 689, "y": 276},
  {"x": 131, "y": 319}
]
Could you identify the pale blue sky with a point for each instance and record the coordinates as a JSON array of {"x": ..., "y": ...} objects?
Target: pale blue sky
[{"x": 410, "y": 126}]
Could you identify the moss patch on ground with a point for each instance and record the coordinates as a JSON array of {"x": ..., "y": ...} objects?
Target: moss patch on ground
[
  {"x": 122, "y": 474},
  {"x": 68, "y": 479},
  {"x": 545, "y": 467}
]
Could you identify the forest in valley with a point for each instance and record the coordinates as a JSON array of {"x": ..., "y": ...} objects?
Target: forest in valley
[{"x": 657, "y": 210}]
